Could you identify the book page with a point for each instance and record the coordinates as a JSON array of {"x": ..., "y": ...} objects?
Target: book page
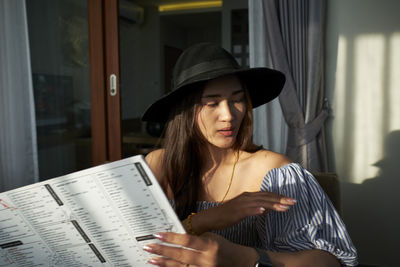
[{"x": 101, "y": 216}]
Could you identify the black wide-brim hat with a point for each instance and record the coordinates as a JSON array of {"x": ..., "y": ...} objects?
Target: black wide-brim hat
[{"x": 207, "y": 61}]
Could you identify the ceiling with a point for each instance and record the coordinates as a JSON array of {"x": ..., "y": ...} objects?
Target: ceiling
[
  {"x": 195, "y": 20},
  {"x": 163, "y": 2}
]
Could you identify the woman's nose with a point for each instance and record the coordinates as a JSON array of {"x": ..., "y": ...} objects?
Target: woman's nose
[{"x": 225, "y": 111}]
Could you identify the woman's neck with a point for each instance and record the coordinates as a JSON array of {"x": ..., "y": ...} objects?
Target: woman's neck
[
  {"x": 214, "y": 157},
  {"x": 218, "y": 166}
]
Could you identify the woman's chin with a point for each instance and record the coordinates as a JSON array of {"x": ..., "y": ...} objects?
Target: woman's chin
[{"x": 223, "y": 145}]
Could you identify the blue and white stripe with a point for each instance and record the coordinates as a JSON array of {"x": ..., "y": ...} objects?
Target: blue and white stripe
[{"x": 312, "y": 223}]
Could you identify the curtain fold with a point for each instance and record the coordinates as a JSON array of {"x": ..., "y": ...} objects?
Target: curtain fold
[
  {"x": 270, "y": 128},
  {"x": 18, "y": 150},
  {"x": 294, "y": 37}
]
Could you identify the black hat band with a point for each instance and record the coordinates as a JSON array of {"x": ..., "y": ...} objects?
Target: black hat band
[{"x": 203, "y": 67}]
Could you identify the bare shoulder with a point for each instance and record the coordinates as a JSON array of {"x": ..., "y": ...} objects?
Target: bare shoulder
[
  {"x": 264, "y": 160},
  {"x": 254, "y": 167},
  {"x": 154, "y": 160},
  {"x": 154, "y": 156},
  {"x": 270, "y": 159}
]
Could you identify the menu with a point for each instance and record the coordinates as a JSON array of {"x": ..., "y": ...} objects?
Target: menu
[{"x": 102, "y": 216}]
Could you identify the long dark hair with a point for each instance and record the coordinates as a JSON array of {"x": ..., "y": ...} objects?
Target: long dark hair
[{"x": 183, "y": 142}]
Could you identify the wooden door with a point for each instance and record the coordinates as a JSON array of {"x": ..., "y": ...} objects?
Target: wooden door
[{"x": 105, "y": 95}]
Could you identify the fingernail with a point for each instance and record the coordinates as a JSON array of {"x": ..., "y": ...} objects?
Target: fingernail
[
  {"x": 290, "y": 200},
  {"x": 154, "y": 262},
  {"x": 148, "y": 248},
  {"x": 284, "y": 207},
  {"x": 159, "y": 236},
  {"x": 261, "y": 210}
]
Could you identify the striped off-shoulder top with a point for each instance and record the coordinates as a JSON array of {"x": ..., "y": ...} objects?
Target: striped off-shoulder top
[{"x": 312, "y": 223}]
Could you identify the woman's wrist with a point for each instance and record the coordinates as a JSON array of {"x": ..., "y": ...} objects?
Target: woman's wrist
[
  {"x": 199, "y": 223},
  {"x": 248, "y": 256},
  {"x": 193, "y": 224}
]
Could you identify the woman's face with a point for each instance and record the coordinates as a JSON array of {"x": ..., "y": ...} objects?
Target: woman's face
[{"x": 223, "y": 106}]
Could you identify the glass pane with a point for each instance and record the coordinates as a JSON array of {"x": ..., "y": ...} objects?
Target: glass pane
[
  {"x": 58, "y": 34},
  {"x": 150, "y": 43},
  {"x": 240, "y": 36}
]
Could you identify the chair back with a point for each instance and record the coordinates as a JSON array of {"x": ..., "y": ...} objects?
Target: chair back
[{"x": 330, "y": 184}]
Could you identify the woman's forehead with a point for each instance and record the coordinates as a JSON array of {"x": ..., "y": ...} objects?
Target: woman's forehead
[{"x": 222, "y": 86}]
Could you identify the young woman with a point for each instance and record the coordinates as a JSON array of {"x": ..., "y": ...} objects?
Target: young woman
[{"x": 241, "y": 205}]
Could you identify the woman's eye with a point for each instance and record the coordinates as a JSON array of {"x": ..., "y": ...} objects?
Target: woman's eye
[
  {"x": 238, "y": 100},
  {"x": 212, "y": 104}
]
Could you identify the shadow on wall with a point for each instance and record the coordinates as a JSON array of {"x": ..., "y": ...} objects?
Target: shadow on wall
[{"x": 375, "y": 226}]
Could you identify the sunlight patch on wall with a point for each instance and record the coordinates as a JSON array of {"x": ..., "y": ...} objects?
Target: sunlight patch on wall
[
  {"x": 394, "y": 82},
  {"x": 368, "y": 106},
  {"x": 339, "y": 105},
  {"x": 366, "y": 103}
]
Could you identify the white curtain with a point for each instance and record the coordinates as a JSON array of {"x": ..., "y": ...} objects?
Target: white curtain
[
  {"x": 270, "y": 128},
  {"x": 18, "y": 150},
  {"x": 292, "y": 32}
]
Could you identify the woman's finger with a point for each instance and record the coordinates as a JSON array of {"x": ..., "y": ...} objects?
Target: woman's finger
[
  {"x": 188, "y": 248},
  {"x": 265, "y": 195},
  {"x": 184, "y": 240},
  {"x": 178, "y": 254},
  {"x": 164, "y": 262},
  {"x": 268, "y": 205},
  {"x": 249, "y": 204}
]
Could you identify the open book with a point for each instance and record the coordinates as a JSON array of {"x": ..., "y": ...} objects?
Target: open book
[{"x": 101, "y": 216}]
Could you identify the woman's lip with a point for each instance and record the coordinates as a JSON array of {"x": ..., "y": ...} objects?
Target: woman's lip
[{"x": 226, "y": 131}]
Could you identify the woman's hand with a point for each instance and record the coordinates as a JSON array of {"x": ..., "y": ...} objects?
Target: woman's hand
[
  {"x": 211, "y": 250},
  {"x": 204, "y": 251},
  {"x": 238, "y": 208}
]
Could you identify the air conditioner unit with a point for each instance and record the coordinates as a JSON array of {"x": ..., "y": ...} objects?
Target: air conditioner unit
[{"x": 131, "y": 12}]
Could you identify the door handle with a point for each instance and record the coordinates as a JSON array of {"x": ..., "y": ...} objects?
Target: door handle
[{"x": 113, "y": 85}]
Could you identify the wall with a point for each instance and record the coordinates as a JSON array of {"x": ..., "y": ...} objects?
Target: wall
[
  {"x": 362, "y": 81},
  {"x": 140, "y": 71}
]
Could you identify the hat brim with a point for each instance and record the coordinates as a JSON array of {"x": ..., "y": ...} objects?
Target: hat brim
[{"x": 263, "y": 85}]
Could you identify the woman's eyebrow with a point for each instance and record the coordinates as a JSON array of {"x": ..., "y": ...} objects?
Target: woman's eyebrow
[{"x": 218, "y": 95}]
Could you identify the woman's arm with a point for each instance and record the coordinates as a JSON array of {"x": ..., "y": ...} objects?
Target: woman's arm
[
  {"x": 233, "y": 211},
  {"x": 212, "y": 250}
]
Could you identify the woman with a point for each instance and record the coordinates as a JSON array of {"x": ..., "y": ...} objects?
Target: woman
[{"x": 261, "y": 208}]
